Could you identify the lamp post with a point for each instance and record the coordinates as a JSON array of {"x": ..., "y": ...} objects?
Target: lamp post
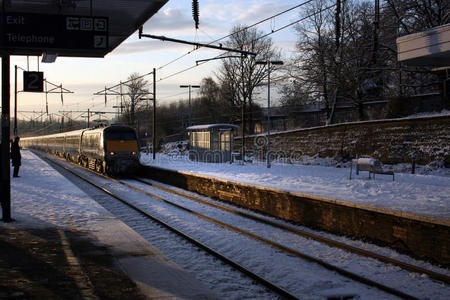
[
  {"x": 190, "y": 110},
  {"x": 242, "y": 56},
  {"x": 268, "y": 63}
]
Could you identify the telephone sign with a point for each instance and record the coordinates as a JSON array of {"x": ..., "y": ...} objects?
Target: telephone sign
[
  {"x": 22, "y": 32},
  {"x": 33, "y": 81}
]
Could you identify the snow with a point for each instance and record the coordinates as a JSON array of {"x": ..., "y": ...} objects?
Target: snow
[
  {"x": 425, "y": 195},
  {"x": 211, "y": 126},
  {"x": 41, "y": 197},
  {"x": 366, "y": 161}
]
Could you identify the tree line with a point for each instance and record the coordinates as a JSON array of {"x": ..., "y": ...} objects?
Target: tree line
[{"x": 346, "y": 53}]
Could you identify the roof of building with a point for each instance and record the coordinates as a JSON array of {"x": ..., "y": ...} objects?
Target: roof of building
[
  {"x": 426, "y": 48},
  {"x": 207, "y": 127}
]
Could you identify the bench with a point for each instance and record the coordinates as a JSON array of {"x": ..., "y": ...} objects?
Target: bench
[
  {"x": 371, "y": 165},
  {"x": 175, "y": 153},
  {"x": 236, "y": 156}
]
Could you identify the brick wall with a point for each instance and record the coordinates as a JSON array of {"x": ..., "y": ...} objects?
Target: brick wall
[{"x": 393, "y": 141}]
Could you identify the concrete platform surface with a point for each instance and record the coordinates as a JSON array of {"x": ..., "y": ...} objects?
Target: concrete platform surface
[{"x": 64, "y": 245}]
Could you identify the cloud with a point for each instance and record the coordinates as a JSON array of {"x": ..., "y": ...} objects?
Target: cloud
[
  {"x": 287, "y": 46},
  {"x": 149, "y": 46},
  {"x": 244, "y": 12},
  {"x": 168, "y": 20}
]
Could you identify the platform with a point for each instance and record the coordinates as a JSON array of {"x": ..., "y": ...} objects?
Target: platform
[
  {"x": 64, "y": 245},
  {"x": 420, "y": 236}
]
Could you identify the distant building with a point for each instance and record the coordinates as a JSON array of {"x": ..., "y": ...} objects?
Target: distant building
[{"x": 211, "y": 142}]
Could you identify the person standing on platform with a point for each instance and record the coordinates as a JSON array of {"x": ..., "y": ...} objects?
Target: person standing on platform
[{"x": 15, "y": 156}]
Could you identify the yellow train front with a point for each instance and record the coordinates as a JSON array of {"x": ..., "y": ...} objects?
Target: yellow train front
[
  {"x": 121, "y": 149},
  {"x": 112, "y": 149}
]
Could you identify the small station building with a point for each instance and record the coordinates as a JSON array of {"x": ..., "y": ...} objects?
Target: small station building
[{"x": 211, "y": 142}]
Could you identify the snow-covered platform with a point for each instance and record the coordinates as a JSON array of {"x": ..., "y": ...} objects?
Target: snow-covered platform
[
  {"x": 63, "y": 244},
  {"x": 411, "y": 213},
  {"x": 425, "y": 194}
]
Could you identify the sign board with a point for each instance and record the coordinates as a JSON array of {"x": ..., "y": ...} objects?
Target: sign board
[
  {"x": 51, "y": 33},
  {"x": 33, "y": 81}
]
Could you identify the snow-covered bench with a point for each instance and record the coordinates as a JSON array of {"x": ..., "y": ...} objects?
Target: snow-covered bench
[
  {"x": 236, "y": 156},
  {"x": 175, "y": 153},
  {"x": 372, "y": 165}
]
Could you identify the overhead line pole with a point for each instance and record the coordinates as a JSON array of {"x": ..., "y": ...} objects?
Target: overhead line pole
[
  {"x": 190, "y": 108},
  {"x": 268, "y": 63}
]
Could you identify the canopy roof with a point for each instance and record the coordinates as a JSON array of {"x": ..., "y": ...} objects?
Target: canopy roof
[
  {"x": 209, "y": 127},
  {"x": 427, "y": 48},
  {"x": 123, "y": 18}
]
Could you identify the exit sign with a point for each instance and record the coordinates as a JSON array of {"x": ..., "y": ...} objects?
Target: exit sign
[{"x": 50, "y": 33}]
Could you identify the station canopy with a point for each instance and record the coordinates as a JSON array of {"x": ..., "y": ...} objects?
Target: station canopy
[
  {"x": 210, "y": 127},
  {"x": 427, "y": 48},
  {"x": 83, "y": 28}
]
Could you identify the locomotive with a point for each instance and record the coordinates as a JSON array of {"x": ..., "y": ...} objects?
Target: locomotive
[{"x": 107, "y": 149}]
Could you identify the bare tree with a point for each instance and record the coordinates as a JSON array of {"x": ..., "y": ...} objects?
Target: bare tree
[
  {"x": 312, "y": 69},
  {"x": 418, "y": 15},
  {"x": 239, "y": 77},
  {"x": 136, "y": 92},
  {"x": 411, "y": 16},
  {"x": 210, "y": 107}
]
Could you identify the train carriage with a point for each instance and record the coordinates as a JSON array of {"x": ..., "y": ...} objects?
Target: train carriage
[
  {"x": 111, "y": 149},
  {"x": 72, "y": 145},
  {"x": 55, "y": 144}
]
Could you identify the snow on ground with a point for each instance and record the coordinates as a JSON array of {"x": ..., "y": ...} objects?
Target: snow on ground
[
  {"x": 426, "y": 194},
  {"x": 42, "y": 197}
]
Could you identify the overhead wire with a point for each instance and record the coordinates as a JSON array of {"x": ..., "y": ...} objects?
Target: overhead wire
[
  {"x": 174, "y": 95},
  {"x": 263, "y": 36},
  {"x": 236, "y": 32},
  {"x": 272, "y": 18}
]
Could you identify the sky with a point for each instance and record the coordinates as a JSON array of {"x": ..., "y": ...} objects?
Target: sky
[{"x": 87, "y": 76}]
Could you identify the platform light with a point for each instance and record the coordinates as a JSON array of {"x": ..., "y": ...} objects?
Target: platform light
[
  {"x": 49, "y": 57},
  {"x": 268, "y": 63},
  {"x": 190, "y": 86}
]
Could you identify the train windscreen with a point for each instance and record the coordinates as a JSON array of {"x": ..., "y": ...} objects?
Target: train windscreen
[{"x": 120, "y": 135}]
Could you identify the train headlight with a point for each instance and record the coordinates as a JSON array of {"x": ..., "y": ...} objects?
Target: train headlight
[
  {"x": 112, "y": 153},
  {"x": 133, "y": 153}
]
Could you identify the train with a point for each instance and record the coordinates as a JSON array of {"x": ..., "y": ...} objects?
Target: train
[{"x": 111, "y": 150}]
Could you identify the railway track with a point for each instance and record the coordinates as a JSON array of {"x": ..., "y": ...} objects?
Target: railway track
[
  {"x": 442, "y": 277},
  {"x": 438, "y": 276},
  {"x": 268, "y": 284},
  {"x": 299, "y": 254}
]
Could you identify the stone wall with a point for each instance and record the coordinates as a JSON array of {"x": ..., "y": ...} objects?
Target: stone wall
[{"x": 390, "y": 141}]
